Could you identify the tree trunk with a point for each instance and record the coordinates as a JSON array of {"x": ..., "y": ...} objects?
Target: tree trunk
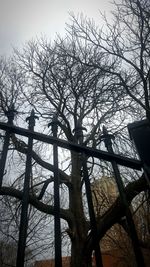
[{"x": 80, "y": 229}]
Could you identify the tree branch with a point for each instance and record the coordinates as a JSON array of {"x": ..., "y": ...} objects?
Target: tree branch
[
  {"x": 48, "y": 209},
  {"x": 22, "y": 147},
  {"x": 116, "y": 212}
]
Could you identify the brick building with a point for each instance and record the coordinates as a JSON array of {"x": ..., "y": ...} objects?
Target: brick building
[
  {"x": 51, "y": 263},
  {"x": 108, "y": 261}
]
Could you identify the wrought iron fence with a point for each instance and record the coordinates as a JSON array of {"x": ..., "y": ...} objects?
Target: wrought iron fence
[{"x": 86, "y": 152}]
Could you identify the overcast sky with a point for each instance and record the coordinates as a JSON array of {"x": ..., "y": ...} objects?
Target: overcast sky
[{"x": 21, "y": 20}]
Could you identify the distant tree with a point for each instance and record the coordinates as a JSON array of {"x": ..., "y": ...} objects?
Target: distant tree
[{"x": 8, "y": 251}]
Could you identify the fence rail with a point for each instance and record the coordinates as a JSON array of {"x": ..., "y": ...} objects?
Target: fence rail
[{"x": 121, "y": 160}]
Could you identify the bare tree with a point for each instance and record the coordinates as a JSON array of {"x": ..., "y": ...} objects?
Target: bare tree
[
  {"x": 125, "y": 42},
  {"x": 84, "y": 81}
]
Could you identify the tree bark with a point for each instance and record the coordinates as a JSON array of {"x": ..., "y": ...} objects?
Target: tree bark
[{"x": 76, "y": 207}]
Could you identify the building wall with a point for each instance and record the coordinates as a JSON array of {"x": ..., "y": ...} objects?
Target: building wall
[
  {"x": 51, "y": 263},
  {"x": 108, "y": 261}
]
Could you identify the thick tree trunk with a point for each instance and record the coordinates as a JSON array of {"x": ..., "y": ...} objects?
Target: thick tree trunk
[
  {"x": 79, "y": 231},
  {"x": 77, "y": 259}
]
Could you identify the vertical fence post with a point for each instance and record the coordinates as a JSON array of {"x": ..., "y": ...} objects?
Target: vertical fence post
[
  {"x": 131, "y": 226},
  {"x": 98, "y": 256},
  {"x": 10, "y": 116},
  {"x": 57, "y": 226},
  {"x": 25, "y": 197}
]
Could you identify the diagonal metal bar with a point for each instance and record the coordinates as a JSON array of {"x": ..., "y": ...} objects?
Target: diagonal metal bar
[
  {"x": 130, "y": 222},
  {"x": 108, "y": 156}
]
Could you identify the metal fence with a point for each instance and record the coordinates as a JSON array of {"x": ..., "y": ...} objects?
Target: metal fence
[{"x": 86, "y": 152}]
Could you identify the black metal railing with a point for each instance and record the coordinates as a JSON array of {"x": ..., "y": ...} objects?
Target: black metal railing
[{"x": 9, "y": 128}]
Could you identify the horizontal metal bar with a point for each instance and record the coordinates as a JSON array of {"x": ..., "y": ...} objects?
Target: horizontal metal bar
[{"x": 124, "y": 161}]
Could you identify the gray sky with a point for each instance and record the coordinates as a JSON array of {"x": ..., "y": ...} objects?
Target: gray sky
[{"x": 21, "y": 20}]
